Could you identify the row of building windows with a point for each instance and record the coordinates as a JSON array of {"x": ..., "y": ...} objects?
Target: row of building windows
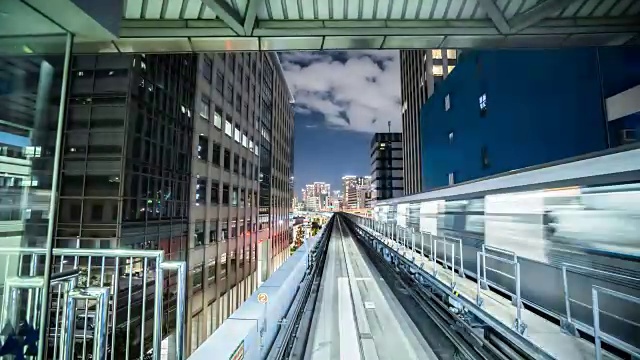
[{"x": 239, "y": 196}]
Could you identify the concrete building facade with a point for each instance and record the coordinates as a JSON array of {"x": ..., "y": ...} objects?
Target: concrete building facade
[
  {"x": 239, "y": 199},
  {"x": 490, "y": 117}
]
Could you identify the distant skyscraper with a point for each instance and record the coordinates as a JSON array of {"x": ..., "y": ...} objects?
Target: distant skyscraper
[
  {"x": 386, "y": 165},
  {"x": 420, "y": 72},
  {"x": 320, "y": 192},
  {"x": 350, "y": 186}
]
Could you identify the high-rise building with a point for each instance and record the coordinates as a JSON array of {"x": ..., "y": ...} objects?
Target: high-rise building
[
  {"x": 420, "y": 73},
  {"x": 224, "y": 188},
  {"x": 386, "y": 165},
  {"x": 319, "y": 190},
  {"x": 276, "y": 191},
  {"x": 567, "y": 115},
  {"x": 350, "y": 186},
  {"x": 126, "y": 161}
]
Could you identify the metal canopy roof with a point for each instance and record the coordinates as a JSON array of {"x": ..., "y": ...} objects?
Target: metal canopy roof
[{"x": 211, "y": 25}]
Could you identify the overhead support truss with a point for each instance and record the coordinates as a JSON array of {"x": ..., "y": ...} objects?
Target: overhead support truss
[
  {"x": 355, "y": 28},
  {"x": 242, "y": 25},
  {"x": 524, "y": 19}
]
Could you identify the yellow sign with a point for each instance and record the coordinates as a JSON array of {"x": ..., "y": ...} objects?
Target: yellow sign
[{"x": 263, "y": 298}]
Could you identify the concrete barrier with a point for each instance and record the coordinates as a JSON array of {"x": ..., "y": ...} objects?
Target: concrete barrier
[{"x": 249, "y": 331}]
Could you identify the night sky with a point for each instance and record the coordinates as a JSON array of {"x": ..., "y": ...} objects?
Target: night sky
[{"x": 342, "y": 99}]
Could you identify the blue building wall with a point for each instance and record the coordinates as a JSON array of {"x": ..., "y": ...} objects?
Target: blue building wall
[{"x": 541, "y": 106}]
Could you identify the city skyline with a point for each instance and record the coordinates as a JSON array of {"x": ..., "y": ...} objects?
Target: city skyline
[{"x": 331, "y": 103}]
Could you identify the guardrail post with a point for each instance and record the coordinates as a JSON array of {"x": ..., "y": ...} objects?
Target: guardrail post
[
  {"x": 181, "y": 268},
  {"x": 596, "y": 323},
  {"x": 413, "y": 245},
  {"x": 433, "y": 258},
  {"x": 567, "y": 324},
  {"x": 519, "y": 325},
  {"x": 101, "y": 295},
  {"x": 422, "y": 247},
  {"x": 479, "y": 258}
]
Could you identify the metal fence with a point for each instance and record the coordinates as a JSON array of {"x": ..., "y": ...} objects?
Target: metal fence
[{"x": 103, "y": 303}]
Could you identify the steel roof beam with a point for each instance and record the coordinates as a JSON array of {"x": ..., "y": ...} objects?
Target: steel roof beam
[
  {"x": 537, "y": 13},
  {"x": 417, "y": 28},
  {"x": 250, "y": 16},
  {"x": 496, "y": 15},
  {"x": 228, "y": 14}
]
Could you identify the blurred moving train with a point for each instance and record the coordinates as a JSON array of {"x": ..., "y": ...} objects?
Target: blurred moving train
[{"x": 583, "y": 212}]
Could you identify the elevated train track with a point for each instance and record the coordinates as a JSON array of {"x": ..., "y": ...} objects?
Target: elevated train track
[{"x": 362, "y": 305}]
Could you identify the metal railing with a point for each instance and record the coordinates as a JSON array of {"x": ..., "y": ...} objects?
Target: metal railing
[
  {"x": 598, "y": 335},
  {"x": 110, "y": 269},
  {"x": 483, "y": 283},
  {"x": 568, "y": 323}
]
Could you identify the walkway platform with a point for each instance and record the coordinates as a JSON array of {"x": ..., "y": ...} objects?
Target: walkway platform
[{"x": 547, "y": 336}]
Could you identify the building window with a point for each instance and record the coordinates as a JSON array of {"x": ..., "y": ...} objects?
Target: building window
[
  {"x": 225, "y": 195},
  {"x": 205, "y": 103},
  {"x": 236, "y": 135},
  {"x": 452, "y": 179},
  {"x": 241, "y": 197},
  {"x": 228, "y": 128},
  {"x": 228, "y": 93},
  {"x": 207, "y": 69},
  {"x": 203, "y": 148},
  {"x": 201, "y": 191},
  {"x": 215, "y": 192},
  {"x": 436, "y": 54},
  {"x": 215, "y": 154},
  {"x": 234, "y": 197},
  {"x": 452, "y": 54},
  {"x": 244, "y": 139},
  {"x": 447, "y": 103},
  {"x": 437, "y": 70},
  {"x": 243, "y": 167},
  {"x": 483, "y": 103},
  {"x": 628, "y": 136},
  {"x": 251, "y": 144},
  {"x": 219, "y": 81},
  {"x": 227, "y": 160},
  {"x": 217, "y": 118},
  {"x": 238, "y": 103},
  {"x": 450, "y": 68},
  {"x": 485, "y": 157},
  {"x": 236, "y": 163},
  {"x": 213, "y": 237}
]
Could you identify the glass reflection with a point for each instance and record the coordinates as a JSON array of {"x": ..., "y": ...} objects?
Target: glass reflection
[{"x": 31, "y": 83}]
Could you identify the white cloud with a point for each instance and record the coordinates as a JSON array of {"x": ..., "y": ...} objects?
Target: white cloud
[{"x": 355, "y": 90}]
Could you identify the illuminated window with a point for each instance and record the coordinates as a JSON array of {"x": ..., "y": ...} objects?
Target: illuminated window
[
  {"x": 450, "y": 68},
  {"x": 452, "y": 54},
  {"x": 217, "y": 119},
  {"x": 236, "y": 135},
  {"x": 437, "y": 70},
  {"x": 483, "y": 101},
  {"x": 436, "y": 54},
  {"x": 228, "y": 128}
]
